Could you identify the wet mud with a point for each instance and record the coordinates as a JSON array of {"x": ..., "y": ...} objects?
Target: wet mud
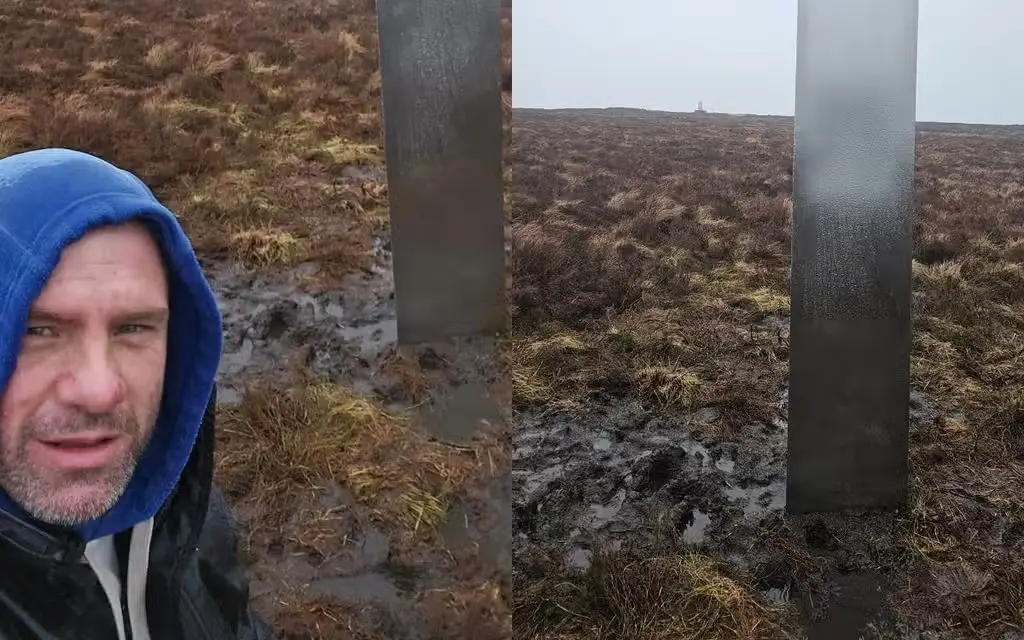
[
  {"x": 629, "y": 472},
  {"x": 270, "y": 318},
  {"x": 619, "y": 475},
  {"x": 278, "y": 323}
]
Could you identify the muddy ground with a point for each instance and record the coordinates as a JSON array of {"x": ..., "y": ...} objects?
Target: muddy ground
[
  {"x": 621, "y": 475},
  {"x": 650, "y": 311},
  {"x": 384, "y": 583}
]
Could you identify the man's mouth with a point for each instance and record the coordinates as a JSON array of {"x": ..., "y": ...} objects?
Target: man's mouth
[
  {"x": 79, "y": 451},
  {"x": 81, "y": 440}
]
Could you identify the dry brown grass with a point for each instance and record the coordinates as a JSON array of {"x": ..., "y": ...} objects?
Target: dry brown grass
[
  {"x": 242, "y": 115},
  {"x": 278, "y": 442},
  {"x": 650, "y": 260},
  {"x": 677, "y": 596},
  {"x": 666, "y": 300},
  {"x": 411, "y": 380},
  {"x": 301, "y": 615}
]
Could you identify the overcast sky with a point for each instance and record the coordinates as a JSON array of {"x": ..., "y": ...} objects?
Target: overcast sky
[{"x": 739, "y": 56}]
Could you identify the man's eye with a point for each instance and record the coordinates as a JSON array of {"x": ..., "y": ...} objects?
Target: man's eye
[
  {"x": 134, "y": 328},
  {"x": 40, "y": 332}
]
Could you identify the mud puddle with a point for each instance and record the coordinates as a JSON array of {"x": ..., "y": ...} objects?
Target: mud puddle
[
  {"x": 480, "y": 526},
  {"x": 620, "y": 475}
]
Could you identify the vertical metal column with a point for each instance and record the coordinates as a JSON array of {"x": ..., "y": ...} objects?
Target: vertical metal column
[
  {"x": 853, "y": 207},
  {"x": 441, "y": 84}
]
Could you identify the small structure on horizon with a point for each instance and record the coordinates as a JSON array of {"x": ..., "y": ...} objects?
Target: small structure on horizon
[{"x": 700, "y": 107}]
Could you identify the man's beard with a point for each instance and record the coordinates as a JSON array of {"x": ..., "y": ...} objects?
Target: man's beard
[{"x": 52, "y": 498}]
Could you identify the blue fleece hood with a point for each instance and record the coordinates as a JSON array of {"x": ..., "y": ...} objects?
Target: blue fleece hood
[{"x": 50, "y": 198}]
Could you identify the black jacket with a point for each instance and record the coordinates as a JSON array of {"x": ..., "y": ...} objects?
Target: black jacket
[{"x": 195, "y": 588}]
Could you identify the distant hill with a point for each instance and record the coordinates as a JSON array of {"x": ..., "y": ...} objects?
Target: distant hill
[{"x": 938, "y": 127}]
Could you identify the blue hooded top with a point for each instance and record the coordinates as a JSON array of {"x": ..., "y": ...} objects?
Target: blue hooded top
[{"x": 50, "y": 198}]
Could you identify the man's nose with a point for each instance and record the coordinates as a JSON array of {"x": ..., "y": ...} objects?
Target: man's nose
[{"x": 94, "y": 384}]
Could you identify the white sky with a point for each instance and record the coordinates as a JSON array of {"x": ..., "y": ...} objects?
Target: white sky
[{"x": 739, "y": 56}]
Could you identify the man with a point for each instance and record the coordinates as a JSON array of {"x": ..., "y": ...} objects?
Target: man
[{"x": 110, "y": 338}]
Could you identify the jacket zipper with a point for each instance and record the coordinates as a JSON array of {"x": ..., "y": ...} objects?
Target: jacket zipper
[{"x": 125, "y": 615}]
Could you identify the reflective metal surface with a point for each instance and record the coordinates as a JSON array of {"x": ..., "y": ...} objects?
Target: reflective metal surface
[
  {"x": 441, "y": 76},
  {"x": 853, "y": 204}
]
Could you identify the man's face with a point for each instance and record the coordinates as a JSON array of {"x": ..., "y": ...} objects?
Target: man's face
[{"x": 81, "y": 405}]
